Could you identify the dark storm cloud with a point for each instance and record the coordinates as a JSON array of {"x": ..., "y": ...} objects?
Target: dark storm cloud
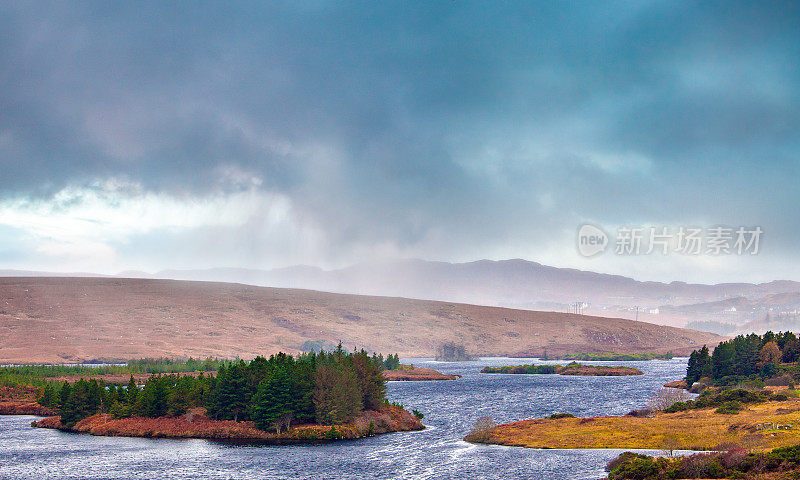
[{"x": 389, "y": 122}]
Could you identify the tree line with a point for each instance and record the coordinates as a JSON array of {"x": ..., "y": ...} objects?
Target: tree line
[
  {"x": 326, "y": 388},
  {"x": 744, "y": 356},
  {"x": 40, "y": 375}
]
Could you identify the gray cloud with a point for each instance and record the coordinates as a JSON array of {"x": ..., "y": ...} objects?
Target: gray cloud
[{"x": 452, "y": 131}]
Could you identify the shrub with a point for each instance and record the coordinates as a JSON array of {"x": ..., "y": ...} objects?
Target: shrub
[
  {"x": 638, "y": 467},
  {"x": 481, "y": 431},
  {"x": 622, "y": 458},
  {"x": 780, "y": 397},
  {"x": 732, "y": 456},
  {"x": 642, "y": 412},
  {"x": 730, "y": 408},
  {"x": 679, "y": 407},
  {"x": 418, "y": 414},
  {"x": 561, "y": 415}
]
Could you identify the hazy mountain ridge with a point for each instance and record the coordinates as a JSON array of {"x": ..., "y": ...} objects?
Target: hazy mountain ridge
[
  {"x": 517, "y": 284},
  {"x": 509, "y": 282}
]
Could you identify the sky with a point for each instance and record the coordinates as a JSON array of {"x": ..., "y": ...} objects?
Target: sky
[{"x": 155, "y": 135}]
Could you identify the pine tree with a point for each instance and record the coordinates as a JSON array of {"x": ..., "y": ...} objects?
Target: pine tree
[
  {"x": 63, "y": 394},
  {"x": 232, "y": 393},
  {"x": 49, "y": 397},
  {"x": 132, "y": 390},
  {"x": 371, "y": 381},
  {"x": 274, "y": 400},
  {"x": 152, "y": 400}
]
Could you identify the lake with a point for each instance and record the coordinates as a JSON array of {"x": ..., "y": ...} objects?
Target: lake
[{"x": 450, "y": 408}]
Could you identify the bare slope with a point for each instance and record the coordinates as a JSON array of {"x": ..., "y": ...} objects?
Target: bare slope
[{"x": 69, "y": 319}]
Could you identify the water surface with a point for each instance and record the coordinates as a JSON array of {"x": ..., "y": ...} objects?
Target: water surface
[{"x": 450, "y": 408}]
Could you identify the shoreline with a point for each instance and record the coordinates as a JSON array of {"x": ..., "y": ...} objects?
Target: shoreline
[{"x": 195, "y": 424}]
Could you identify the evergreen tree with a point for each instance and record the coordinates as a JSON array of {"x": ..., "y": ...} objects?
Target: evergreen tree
[
  {"x": 63, "y": 393},
  {"x": 274, "y": 400},
  {"x": 49, "y": 397},
  {"x": 152, "y": 400},
  {"x": 371, "y": 381},
  {"x": 232, "y": 393},
  {"x": 83, "y": 401},
  {"x": 132, "y": 390},
  {"x": 699, "y": 365}
]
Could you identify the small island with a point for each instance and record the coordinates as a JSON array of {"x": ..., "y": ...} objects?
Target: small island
[
  {"x": 452, "y": 352},
  {"x": 412, "y": 373},
  {"x": 310, "y": 398},
  {"x": 570, "y": 369}
]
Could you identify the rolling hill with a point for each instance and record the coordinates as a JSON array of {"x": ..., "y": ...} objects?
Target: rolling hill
[{"x": 60, "y": 319}]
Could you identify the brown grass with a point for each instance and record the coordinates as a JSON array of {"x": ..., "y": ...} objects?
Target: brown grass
[
  {"x": 690, "y": 430},
  {"x": 65, "y": 320},
  {"x": 417, "y": 374}
]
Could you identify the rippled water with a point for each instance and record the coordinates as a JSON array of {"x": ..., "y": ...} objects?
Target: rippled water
[{"x": 450, "y": 408}]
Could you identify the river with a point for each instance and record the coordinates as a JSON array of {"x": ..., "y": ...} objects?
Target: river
[{"x": 450, "y": 408}]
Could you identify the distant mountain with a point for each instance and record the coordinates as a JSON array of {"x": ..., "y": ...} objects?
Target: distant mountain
[
  {"x": 518, "y": 284},
  {"x": 71, "y": 319},
  {"x": 509, "y": 283}
]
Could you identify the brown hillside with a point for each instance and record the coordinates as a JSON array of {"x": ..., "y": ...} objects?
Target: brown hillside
[{"x": 70, "y": 319}]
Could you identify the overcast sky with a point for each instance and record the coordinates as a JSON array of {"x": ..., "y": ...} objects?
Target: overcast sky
[{"x": 151, "y": 135}]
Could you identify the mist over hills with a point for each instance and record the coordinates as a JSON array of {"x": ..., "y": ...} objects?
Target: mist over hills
[
  {"x": 723, "y": 308},
  {"x": 522, "y": 284}
]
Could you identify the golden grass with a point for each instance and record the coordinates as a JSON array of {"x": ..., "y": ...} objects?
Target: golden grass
[{"x": 689, "y": 430}]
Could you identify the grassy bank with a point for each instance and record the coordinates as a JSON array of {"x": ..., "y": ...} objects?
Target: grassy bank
[{"x": 757, "y": 426}]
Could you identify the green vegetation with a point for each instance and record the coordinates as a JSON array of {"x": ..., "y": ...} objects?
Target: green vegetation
[
  {"x": 523, "y": 369},
  {"x": 616, "y": 357},
  {"x": 729, "y": 462},
  {"x": 40, "y": 375},
  {"x": 170, "y": 395},
  {"x": 392, "y": 362},
  {"x": 326, "y": 388},
  {"x": 727, "y": 401},
  {"x": 745, "y": 357},
  {"x": 561, "y": 415}
]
